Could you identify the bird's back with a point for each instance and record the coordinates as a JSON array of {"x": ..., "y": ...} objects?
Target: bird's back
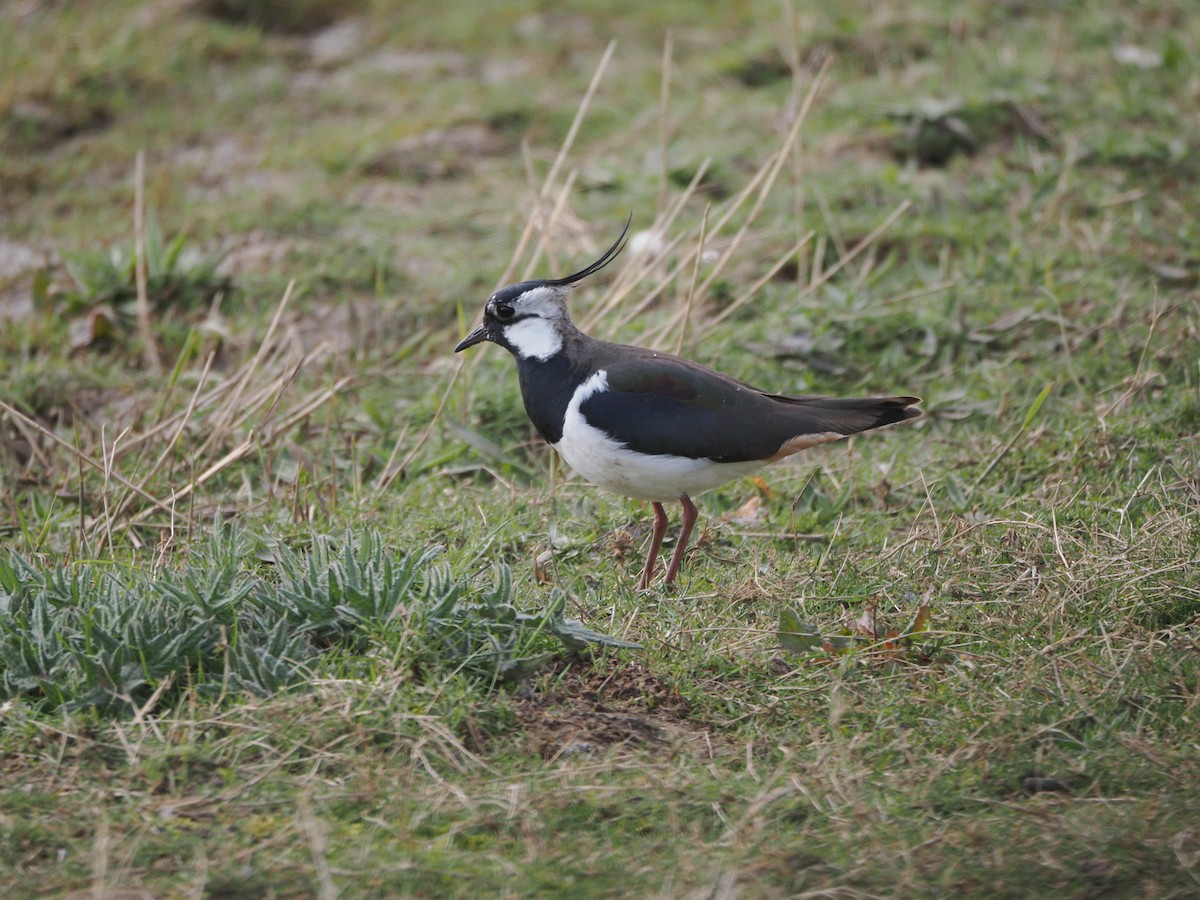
[{"x": 663, "y": 404}]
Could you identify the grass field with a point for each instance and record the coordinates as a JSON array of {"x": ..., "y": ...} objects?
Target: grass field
[{"x": 294, "y": 602}]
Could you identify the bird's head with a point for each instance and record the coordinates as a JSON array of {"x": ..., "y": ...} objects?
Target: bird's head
[{"x": 530, "y": 318}]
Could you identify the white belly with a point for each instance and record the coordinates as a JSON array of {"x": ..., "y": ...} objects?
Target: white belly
[{"x": 609, "y": 464}]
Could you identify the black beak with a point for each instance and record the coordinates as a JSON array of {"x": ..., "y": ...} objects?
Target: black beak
[{"x": 478, "y": 336}]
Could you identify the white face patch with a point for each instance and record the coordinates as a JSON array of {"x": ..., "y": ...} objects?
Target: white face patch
[
  {"x": 540, "y": 301},
  {"x": 611, "y": 465},
  {"x": 536, "y": 333},
  {"x": 533, "y": 338}
]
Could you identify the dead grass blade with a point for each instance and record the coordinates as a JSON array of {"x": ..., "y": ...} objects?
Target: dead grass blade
[
  {"x": 318, "y": 846},
  {"x": 256, "y": 440},
  {"x": 171, "y": 443},
  {"x": 540, "y": 196},
  {"x": 1012, "y": 442},
  {"x": 145, "y": 328},
  {"x": 83, "y": 457},
  {"x": 664, "y": 103},
  {"x": 637, "y": 270},
  {"x": 753, "y": 290},
  {"x": 858, "y": 248},
  {"x": 580, "y": 115},
  {"x": 691, "y": 294},
  {"x": 224, "y": 418},
  {"x": 389, "y": 476},
  {"x": 759, "y": 189}
]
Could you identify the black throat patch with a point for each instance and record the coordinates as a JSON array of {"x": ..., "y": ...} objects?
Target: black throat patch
[{"x": 547, "y": 388}]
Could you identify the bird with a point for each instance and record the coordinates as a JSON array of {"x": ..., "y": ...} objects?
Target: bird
[{"x": 651, "y": 425}]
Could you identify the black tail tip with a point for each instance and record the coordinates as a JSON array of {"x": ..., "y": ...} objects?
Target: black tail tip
[{"x": 901, "y": 409}]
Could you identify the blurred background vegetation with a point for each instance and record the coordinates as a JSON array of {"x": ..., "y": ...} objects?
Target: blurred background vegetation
[{"x": 291, "y": 598}]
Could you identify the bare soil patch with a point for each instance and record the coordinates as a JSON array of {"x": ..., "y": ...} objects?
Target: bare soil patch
[{"x": 584, "y": 709}]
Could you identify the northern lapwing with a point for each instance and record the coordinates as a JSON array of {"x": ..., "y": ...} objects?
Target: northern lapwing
[{"x": 648, "y": 424}]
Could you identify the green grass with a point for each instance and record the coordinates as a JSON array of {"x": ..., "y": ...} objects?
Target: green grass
[{"x": 215, "y": 683}]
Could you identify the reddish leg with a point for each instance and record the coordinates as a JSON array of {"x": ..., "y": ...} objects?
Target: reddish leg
[
  {"x": 656, "y": 539},
  {"x": 685, "y": 535}
]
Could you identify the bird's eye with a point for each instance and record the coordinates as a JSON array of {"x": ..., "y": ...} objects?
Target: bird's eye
[{"x": 505, "y": 312}]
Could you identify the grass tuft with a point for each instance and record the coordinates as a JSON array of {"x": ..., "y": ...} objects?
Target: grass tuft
[{"x": 124, "y": 639}]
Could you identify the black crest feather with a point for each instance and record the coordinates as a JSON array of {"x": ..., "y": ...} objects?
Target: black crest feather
[{"x": 608, "y": 256}]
